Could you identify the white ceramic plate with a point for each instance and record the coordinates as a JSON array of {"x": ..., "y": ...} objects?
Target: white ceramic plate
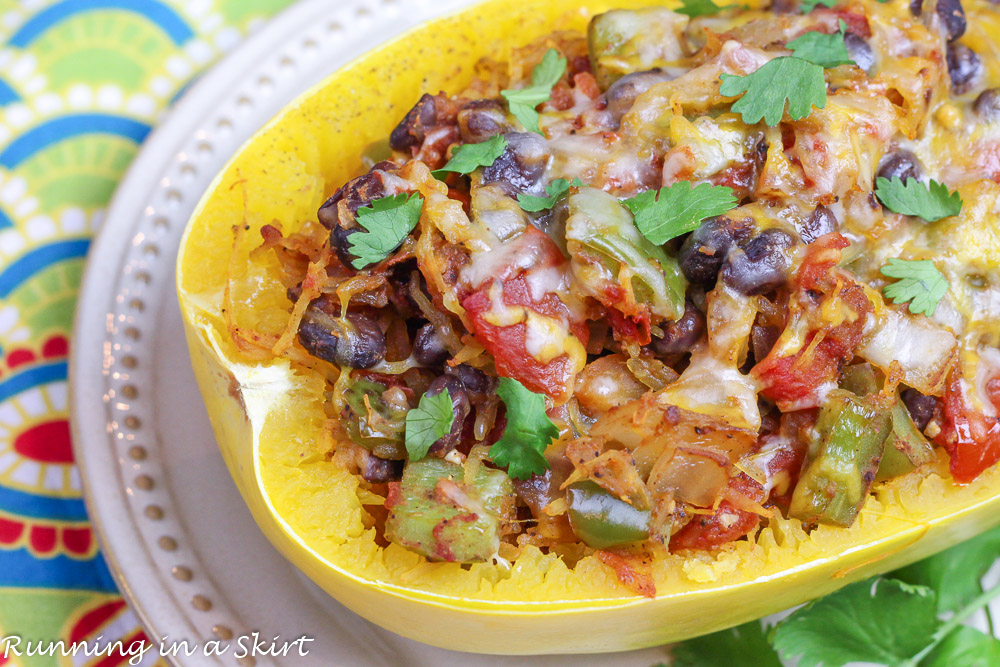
[{"x": 182, "y": 546}]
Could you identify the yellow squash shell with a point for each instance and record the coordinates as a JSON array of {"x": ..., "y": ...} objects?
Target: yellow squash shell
[{"x": 269, "y": 418}]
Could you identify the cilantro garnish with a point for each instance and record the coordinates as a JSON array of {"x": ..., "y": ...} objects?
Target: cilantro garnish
[
  {"x": 863, "y": 622},
  {"x": 387, "y": 222},
  {"x": 468, "y": 157},
  {"x": 808, "y": 5},
  {"x": 678, "y": 209},
  {"x": 522, "y": 102},
  {"x": 930, "y": 202},
  {"x": 528, "y": 432},
  {"x": 825, "y": 50},
  {"x": 791, "y": 79},
  {"x": 919, "y": 282},
  {"x": 427, "y": 423},
  {"x": 956, "y": 572},
  {"x": 745, "y": 645},
  {"x": 556, "y": 189},
  {"x": 695, "y": 8}
]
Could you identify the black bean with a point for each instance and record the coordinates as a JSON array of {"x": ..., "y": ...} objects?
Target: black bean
[
  {"x": 860, "y": 52},
  {"x": 428, "y": 348},
  {"x": 522, "y": 164},
  {"x": 987, "y": 105},
  {"x": 358, "y": 192},
  {"x": 785, "y": 6},
  {"x": 357, "y": 343},
  {"x": 706, "y": 248},
  {"x": 481, "y": 119},
  {"x": 622, "y": 93},
  {"x": 760, "y": 266},
  {"x": 820, "y": 222},
  {"x": 921, "y": 407},
  {"x": 410, "y": 133},
  {"x": 460, "y": 409},
  {"x": 964, "y": 67},
  {"x": 381, "y": 470},
  {"x": 478, "y": 384},
  {"x": 899, "y": 163},
  {"x": 680, "y": 335},
  {"x": 952, "y": 16}
]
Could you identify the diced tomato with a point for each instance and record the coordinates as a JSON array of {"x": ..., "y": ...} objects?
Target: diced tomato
[
  {"x": 727, "y": 523},
  {"x": 507, "y": 344},
  {"x": 631, "y": 328},
  {"x": 993, "y": 392},
  {"x": 792, "y": 381},
  {"x": 971, "y": 438},
  {"x": 633, "y": 570}
]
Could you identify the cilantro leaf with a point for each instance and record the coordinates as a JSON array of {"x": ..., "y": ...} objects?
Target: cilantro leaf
[
  {"x": 528, "y": 432},
  {"x": 745, "y": 645},
  {"x": 883, "y": 621},
  {"x": 967, "y": 647},
  {"x": 956, "y": 572},
  {"x": 825, "y": 50},
  {"x": 387, "y": 222},
  {"x": 678, "y": 209},
  {"x": 798, "y": 81},
  {"x": 919, "y": 282},
  {"x": 930, "y": 202},
  {"x": 556, "y": 189},
  {"x": 468, "y": 157},
  {"x": 695, "y": 8},
  {"x": 809, "y": 5},
  {"x": 522, "y": 102},
  {"x": 427, "y": 423}
]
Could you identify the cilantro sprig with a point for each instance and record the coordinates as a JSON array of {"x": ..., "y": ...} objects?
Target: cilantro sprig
[
  {"x": 696, "y": 8},
  {"x": 825, "y": 50},
  {"x": 544, "y": 76},
  {"x": 672, "y": 211},
  {"x": 919, "y": 283},
  {"x": 468, "y": 157},
  {"x": 798, "y": 82},
  {"x": 555, "y": 190},
  {"x": 528, "y": 432},
  {"x": 427, "y": 423},
  {"x": 808, "y": 5},
  {"x": 895, "y": 621},
  {"x": 387, "y": 221},
  {"x": 930, "y": 202}
]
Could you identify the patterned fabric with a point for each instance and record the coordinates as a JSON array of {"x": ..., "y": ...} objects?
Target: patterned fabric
[{"x": 81, "y": 84}]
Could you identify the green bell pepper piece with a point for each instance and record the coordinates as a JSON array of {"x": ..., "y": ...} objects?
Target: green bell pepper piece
[
  {"x": 602, "y": 520},
  {"x": 842, "y": 461},
  {"x": 600, "y": 227},
  {"x": 421, "y": 520},
  {"x": 380, "y": 430}
]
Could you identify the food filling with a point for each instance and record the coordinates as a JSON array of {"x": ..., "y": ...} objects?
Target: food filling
[{"x": 649, "y": 287}]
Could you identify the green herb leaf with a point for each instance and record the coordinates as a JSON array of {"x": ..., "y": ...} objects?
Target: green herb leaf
[
  {"x": 468, "y": 157},
  {"x": 678, "y": 209},
  {"x": 967, "y": 647},
  {"x": 885, "y": 621},
  {"x": 387, "y": 222},
  {"x": 522, "y": 102},
  {"x": 808, "y": 5},
  {"x": 427, "y": 423},
  {"x": 930, "y": 202},
  {"x": 797, "y": 81},
  {"x": 556, "y": 189},
  {"x": 528, "y": 432},
  {"x": 694, "y": 8},
  {"x": 956, "y": 572},
  {"x": 824, "y": 50},
  {"x": 919, "y": 282},
  {"x": 745, "y": 645}
]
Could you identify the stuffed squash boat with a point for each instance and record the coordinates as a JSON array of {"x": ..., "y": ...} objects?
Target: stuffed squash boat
[{"x": 578, "y": 326}]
